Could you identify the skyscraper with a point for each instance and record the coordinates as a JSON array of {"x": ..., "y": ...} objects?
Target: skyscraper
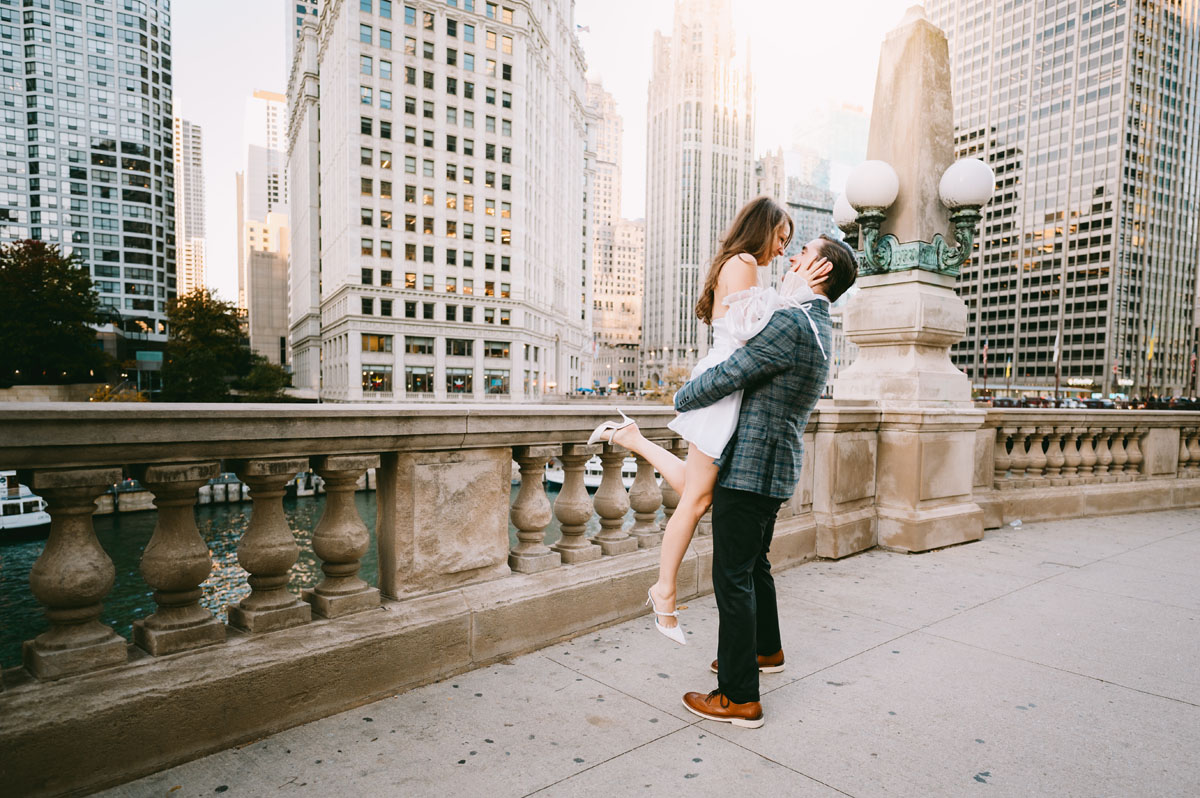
[
  {"x": 438, "y": 247},
  {"x": 618, "y": 253},
  {"x": 295, "y": 13},
  {"x": 261, "y": 186},
  {"x": 190, "y": 244},
  {"x": 699, "y": 172},
  {"x": 1086, "y": 262},
  {"x": 86, "y": 142}
]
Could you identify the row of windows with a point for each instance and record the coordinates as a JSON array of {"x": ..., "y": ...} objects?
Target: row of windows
[
  {"x": 490, "y": 315},
  {"x": 418, "y": 345},
  {"x": 452, "y": 229},
  {"x": 450, "y": 286},
  {"x": 419, "y": 379},
  {"x": 468, "y": 259}
]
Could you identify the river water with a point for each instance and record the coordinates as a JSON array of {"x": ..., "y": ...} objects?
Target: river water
[{"x": 124, "y": 537}]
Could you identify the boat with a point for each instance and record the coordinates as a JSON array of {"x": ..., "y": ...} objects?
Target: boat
[
  {"x": 593, "y": 472},
  {"x": 23, "y": 513}
]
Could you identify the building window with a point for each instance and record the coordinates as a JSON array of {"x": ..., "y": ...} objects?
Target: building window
[
  {"x": 385, "y": 9},
  {"x": 410, "y": 15},
  {"x": 506, "y": 45},
  {"x": 495, "y": 348},
  {"x": 459, "y": 380},
  {"x": 451, "y": 312},
  {"x": 410, "y": 280},
  {"x": 505, "y": 315},
  {"x": 505, "y": 99},
  {"x": 496, "y": 380},
  {"x": 385, "y": 219},
  {"x": 367, "y": 246},
  {"x": 506, "y": 72},
  {"x": 385, "y": 39},
  {"x": 427, "y": 20},
  {"x": 365, "y": 65},
  {"x": 366, "y": 186},
  {"x": 385, "y": 190},
  {"x": 489, "y": 315},
  {"x": 427, "y": 282},
  {"x": 385, "y": 100},
  {"x": 365, "y": 217},
  {"x": 468, "y": 286},
  {"x": 416, "y": 345},
  {"x": 385, "y": 70},
  {"x": 368, "y": 306},
  {"x": 469, "y": 34},
  {"x": 427, "y": 254},
  {"x": 376, "y": 343},
  {"x": 377, "y": 379},
  {"x": 460, "y": 347},
  {"x": 418, "y": 379},
  {"x": 504, "y": 287},
  {"x": 366, "y": 156},
  {"x": 385, "y": 307},
  {"x": 468, "y": 314},
  {"x": 385, "y": 279},
  {"x": 385, "y": 250},
  {"x": 368, "y": 277},
  {"x": 366, "y": 125},
  {"x": 410, "y": 310},
  {"x": 364, "y": 34},
  {"x": 427, "y": 311}
]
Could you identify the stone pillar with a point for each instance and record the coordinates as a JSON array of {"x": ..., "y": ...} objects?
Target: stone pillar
[
  {"x": 1055, "y": 459},
  {"x": 612, "y": 503},
  {"x": 1071, "y": 458},
  {"x": 268, "y": 550},
  {"x": 176, "y": 562},
  {"x": 531, "y": 512},
  {"x": 1087, "y": 456},
  {"x": 1194, "y": 452},
  {"x": 443, "y": 519},
  {"x": 1003, "y": 460},
  {"x": 1020, "y": 457},
  {"x": 341, "y": 539},
  {"x": 573, "y": 507},
  {"x": 1037, "y": 457},
  {"x": 71, "y": 578},
  {"x": 645, "y": 496},
  {"x": 1184, "y": 453},
  {"x": 1134, "y": 448},
  {"x": 1119, "y": 455},
  {"x": 1103, "y": 455}
]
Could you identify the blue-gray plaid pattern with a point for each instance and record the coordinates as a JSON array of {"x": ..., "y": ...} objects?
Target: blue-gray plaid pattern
[{"x": 782, "y": 373}]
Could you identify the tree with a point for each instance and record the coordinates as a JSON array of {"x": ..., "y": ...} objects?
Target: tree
[
  {"x": 208, "y": 353},
  {"x": 206, "y": 350},
  {"x": 47, "y": 302}
]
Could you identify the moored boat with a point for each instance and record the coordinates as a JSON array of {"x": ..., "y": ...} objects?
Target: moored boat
[{"x": 22, "y": 512}]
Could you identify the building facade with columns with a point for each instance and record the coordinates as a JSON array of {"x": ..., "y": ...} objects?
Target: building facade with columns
[
  {"x": 1086, "y": 262},
  {"x": 437, "y": 162},
  {"x": 700, "y": 170}
]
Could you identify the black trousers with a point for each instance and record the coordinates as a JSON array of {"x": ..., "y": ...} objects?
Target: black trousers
[{"x": 743, "y": 524}]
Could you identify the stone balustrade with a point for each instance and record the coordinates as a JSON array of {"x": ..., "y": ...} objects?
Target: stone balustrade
[{"x": 452, "y": 592}]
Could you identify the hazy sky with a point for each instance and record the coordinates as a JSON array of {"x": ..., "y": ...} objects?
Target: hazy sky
[{"x": 804, "y": 54}]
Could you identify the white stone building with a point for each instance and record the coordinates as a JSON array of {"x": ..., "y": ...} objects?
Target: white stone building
[
  {"x": 190, "y": 241},
  {"x": 438, "y": 247},
  {"x": 700, "y": 171}
]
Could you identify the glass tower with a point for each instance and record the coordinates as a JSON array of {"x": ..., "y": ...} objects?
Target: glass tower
[
  {"x": 1086, "y": 266},
  {"x": 87, "y": 151}
]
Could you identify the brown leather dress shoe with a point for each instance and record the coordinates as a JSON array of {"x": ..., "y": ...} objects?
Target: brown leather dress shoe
[
  {"x": 715, "y": 706},
  {"x": 771, "y": 663}
]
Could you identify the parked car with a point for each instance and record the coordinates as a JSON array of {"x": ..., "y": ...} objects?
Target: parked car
[
  {"x": 1004, "y": 401},
  {"x": 1100, "y": 404}
]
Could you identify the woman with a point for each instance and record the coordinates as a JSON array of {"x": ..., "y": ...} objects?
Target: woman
[{"x": 737, "y": 308}]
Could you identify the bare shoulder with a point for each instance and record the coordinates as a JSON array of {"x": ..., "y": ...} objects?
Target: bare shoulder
[{"x": 738, "y": 273}]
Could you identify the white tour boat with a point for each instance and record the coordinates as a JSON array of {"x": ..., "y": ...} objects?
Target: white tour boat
[
  {"x": 22, "y": 512},
  {"x": 593, "y": 473}
]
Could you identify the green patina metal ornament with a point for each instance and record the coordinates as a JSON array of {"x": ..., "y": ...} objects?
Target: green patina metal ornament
[{"x": 885, "y": 253}]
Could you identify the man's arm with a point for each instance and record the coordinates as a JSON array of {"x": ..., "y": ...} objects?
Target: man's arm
[{"x": 763, "y": 356}]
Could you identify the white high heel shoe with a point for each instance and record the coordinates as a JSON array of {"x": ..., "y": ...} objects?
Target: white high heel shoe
[
  {"x": 610, "y": 428},
  {"x": 673, "y": 632}
]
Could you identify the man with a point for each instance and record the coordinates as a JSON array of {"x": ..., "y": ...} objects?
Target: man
[{"x": 782, "y": 372}]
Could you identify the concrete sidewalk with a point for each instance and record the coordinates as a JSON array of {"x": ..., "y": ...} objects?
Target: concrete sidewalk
[{"x": 1056, "y": 659}]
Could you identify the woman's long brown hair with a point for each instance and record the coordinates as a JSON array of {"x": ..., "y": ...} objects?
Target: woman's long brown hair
[{"x": 752, "y": 231}]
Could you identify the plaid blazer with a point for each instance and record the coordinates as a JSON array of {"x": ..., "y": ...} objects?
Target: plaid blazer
[{"x": 782, "y": 372}]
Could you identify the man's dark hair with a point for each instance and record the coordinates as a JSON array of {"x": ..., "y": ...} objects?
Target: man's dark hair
[{"x": 845, "y": 267}]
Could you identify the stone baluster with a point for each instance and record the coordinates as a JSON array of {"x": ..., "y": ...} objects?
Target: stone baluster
[
  {"x": 1037, "y": 457},
  {"x": 1020, "y": 456},
  {"x": 1134, "y": 448},
  {"x": 531, "y": 512},
  {"x": 1002, "y": 458},
  {"x": 670, "y": 495},
  {"x": 1087, "y": 456},
  {"x": 1119, "y": 456},
  {"x": 1071, "y": 458},
  {"x": 645, "y": 496},
  {"x": 573, "y": 506},
  {"x": 341, "y": 538},
  {"x": 176, "y": 562},
  {"x": 268, "y": 549},
  {"x": 71, "y": 578},
  {"x": 612, "y": 502},
  {"x": 1055, "y": 459},
  {"x": 1184, "y": 454},
  {"x": 1194, "y": 451},
  {"x": 1103, "y": 455}
]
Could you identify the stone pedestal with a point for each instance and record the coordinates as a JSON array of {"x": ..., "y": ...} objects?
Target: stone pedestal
[
  {"x": 443, "y": 519},
  {"x": 844, "y": 480}
]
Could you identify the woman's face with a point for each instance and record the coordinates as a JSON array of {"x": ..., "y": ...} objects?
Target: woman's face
[{"x": 778, "y": 241}]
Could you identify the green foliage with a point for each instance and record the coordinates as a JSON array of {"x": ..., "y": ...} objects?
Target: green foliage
[
  {"x": 206, "y": 350},
  {"x": 208, "y": 355},
  {"x": 47, "y": 302}
]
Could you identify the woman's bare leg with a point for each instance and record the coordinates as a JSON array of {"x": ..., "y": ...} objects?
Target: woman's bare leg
[
  {"x": 667, "y": 464},
  {"x": 700, "y": 479}
]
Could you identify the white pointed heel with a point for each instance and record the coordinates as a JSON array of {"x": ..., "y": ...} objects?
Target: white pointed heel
[
  {"x": 609, "y": 428},
  {"x": 673, "y": 632}
]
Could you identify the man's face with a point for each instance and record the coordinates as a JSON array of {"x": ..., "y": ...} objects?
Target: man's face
[{"x": 808, "y": 253}]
